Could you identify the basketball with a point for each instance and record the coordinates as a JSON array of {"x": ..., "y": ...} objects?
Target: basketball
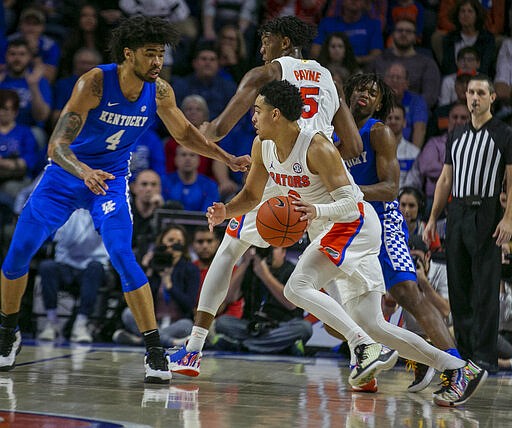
[{"x": 278, "y": 223}]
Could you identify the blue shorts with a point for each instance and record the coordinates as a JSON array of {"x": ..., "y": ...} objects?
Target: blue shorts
[
  {"x": 59, "y": 193},
  {"x": 395, "y": 258}
]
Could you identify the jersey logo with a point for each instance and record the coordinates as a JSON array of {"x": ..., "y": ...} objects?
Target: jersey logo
[
  {"x": 271, "y": 165},
  {"x": 112, "y": 104},
  {"x": 143, "y": 109},
  {"x": 108, "y": 207},
  {"x": 233, "y": 224},
  {"x": 297, "y": 168},
  {"x": 332, "y": 252}
]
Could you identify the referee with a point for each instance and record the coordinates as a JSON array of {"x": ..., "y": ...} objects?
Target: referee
[{"x": 478, "y": 156}]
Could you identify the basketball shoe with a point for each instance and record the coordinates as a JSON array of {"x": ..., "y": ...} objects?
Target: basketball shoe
[
  {"x": 458, "y": 385},
  {"x": 371, "y": 359},
  {"x": 156, "y": 363},
  {"x": 10, "y": 346},
  {"x": 184, "y": 362},
  {"x": 423, "y": 375}
]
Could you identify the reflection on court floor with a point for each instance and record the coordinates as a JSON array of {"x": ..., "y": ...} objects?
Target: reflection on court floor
[{"x": 102, "y": 387}]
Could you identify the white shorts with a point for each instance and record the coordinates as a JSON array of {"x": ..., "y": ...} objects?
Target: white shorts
[{"x": 359, "y": 265}]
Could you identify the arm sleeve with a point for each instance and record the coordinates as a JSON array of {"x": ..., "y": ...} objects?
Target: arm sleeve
[{"x": 343, "y": 209}]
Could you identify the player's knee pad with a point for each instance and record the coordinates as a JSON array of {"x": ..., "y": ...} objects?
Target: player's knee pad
[{"x": 27, "y": 239}]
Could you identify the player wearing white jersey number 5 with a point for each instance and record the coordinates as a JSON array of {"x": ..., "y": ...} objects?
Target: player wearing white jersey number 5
[{"x": 282, "y": 40}]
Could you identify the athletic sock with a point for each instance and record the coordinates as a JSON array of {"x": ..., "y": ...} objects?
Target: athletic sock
[
  {"x": 197, "y": 339},
  {"x": 453, "y": 352},
  {"x": 9, "y": 321},
  {"x": 151, "y": 339}
]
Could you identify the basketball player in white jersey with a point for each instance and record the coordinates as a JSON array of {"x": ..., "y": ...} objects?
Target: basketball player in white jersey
[
  {"x": 345, "y": 241},
  {"x": 282, "y": 41}
]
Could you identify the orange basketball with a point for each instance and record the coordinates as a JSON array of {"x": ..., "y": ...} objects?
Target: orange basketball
[{"x": 278, "y": 223}]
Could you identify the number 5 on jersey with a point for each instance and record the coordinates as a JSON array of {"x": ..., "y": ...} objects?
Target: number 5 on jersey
[
  {"x": 308, "y": 95},
  {"x": 114, "y": 140}
]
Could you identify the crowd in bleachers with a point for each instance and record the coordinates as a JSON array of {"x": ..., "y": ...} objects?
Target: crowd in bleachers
[{"x": 425, "y": 49}]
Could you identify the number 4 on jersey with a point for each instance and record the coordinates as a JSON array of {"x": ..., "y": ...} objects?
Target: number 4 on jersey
[
  {"x": 114, "y": 140},
  {"x": 307, "y": 94}
]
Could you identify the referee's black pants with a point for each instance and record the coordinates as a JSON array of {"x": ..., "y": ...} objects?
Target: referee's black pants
[{"x": 474, "y": 273}]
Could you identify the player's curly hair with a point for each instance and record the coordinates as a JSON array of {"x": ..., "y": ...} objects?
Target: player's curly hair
[
  {"x": 299, "y": 32},
  {"x": 135, "y": 32},
  {"x": 283, "y": 95},
  {"x": 358, "y": 81}
]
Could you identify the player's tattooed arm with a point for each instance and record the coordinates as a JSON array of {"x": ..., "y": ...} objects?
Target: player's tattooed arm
[
  {"x": 65, "y": 132},
  {"x": 163, "y": 89}
]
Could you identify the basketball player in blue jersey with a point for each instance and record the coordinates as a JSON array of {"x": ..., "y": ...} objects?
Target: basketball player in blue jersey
[
  {"x": 377, "y": 171},
  {"x": 282, "y": 41},
  {"x": 89, "y": 153}
]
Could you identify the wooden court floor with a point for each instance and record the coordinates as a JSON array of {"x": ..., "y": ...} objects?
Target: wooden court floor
[{"x": 100, "y": 387}]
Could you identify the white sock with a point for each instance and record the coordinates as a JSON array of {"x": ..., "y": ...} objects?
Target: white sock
[{"x": 197, "y": 339}]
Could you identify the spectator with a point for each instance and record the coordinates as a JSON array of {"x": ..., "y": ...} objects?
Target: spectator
[
  {"x": 412, "y": 207},
  {"x": 88, "y": 32},
  {"x": 409, "y": 10},
  {"x": 79, "y": 263},
  {"x": 174, "y": 282},
  {"x": 406, "y": 152},
  {"x": 494, "y": 12},
  {"x": 243, "y": 14},
  {"x": 195, "y": 109},
  {"x": 83, "y": 60},
  {"x": 32, "y": 88},
  {"x": 428, "y": 165},
  {"x": 148, "y": 153},
  {"x": 193, "y": 190},
  {"x": 206, "y": 80},
  {"x": 43, "y": 48},
  {"x": 232, "y": 53},
  {"x": 18, "y": 150},
  {"x": 147, "y": 197},
  {"x": 503, "y": 79},
  {"x": 468, "y": 62},
  {"x": 469, "y": 20},
  {"x": 365, "y": 34},
  {"x": 416, "y": 110},
  {"x": 438, "y": 122},
  {"x": 176, "y": 12},
  {"x": 337, "y": 52},
  {"x": 270, "y": 323},
  {"x": 309, "y": 11},
  {"x": 424, "y": 75},
  {"x": 476, "y": 226}
]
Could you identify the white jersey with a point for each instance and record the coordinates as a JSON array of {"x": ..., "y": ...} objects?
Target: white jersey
[
  {"x": 293, "y": 174},
  {"x": 321, "y": 103},
  {"x": 318, "y": 91}
]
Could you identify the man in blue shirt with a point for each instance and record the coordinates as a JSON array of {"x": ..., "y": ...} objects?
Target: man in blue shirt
[{"x": 193, "y": 190}]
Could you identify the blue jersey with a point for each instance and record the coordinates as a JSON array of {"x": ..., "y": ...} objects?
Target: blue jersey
[
  {"x": 108, "y": 136},
  {"x": 364, "y": 168},
  {"x": 397, "y": 265}
]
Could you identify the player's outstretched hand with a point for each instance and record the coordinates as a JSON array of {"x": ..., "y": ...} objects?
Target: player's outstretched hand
[
  {"x": 94, "y": 179},
  {"x": 215, "y": 214},
  {"x": 240, "y": 163},
  {"x": 429, "y": 233},
  {"x": 308, "y": 210}
]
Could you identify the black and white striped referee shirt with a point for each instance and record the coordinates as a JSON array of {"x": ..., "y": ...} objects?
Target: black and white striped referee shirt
[{"x": 478, "y": 158}]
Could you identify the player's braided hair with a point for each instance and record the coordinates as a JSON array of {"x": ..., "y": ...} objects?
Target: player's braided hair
[
  {"x": 358, "y": 81},
  {"x": 283, "y": 95},
  {"x": 299, "y": 32},
  {"x": 138, "y": 31}
]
